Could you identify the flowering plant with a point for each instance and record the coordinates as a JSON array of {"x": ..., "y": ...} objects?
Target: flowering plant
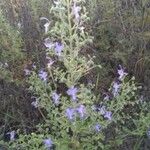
[
  {"x": 70, "y": 116},
  {"x": 73, "y": 116}
]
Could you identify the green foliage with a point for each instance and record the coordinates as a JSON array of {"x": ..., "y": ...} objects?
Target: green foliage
[
  {"x": 10, "y": 46},
  {"x": 68, "y": 68},
  {"x": 10, "y": 41},
  {"x": 119, "y": 33}
]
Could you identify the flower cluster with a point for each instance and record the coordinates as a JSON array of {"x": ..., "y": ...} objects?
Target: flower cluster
[
  {"x": 117, "y": 84},
  {"x": 57, "y": 46},
  {"x": 103, "y": 111},
  {"x": 80, "y": 111}
]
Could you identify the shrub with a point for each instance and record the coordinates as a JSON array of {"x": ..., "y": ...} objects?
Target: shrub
[{"x": 74, "y": 117}]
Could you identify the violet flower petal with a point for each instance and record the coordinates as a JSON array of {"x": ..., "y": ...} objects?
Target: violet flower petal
[
  {"x": 75, "y": 12},
  {"x": 58, "y": 48},
  {"x": 55, "y": 98},
  {"x": 116, "y": 88},
  {"x": 12, "y": 135},
  {"x": 48, "y": 143},
  {"x": 72, "y": 91},
  {"x": 43, "y": 75},
  {"x": 70, "y": 113},
  {"x": 121, "y": 73},
  {"x": 97, "y": 127},
  {"x": 35, "y": 104},
  {"x": 81, "y": 110},
  {"x": 108, "y": 115}
]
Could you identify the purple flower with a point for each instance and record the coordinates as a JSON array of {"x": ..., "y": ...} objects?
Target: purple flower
[
  {"x": 81, "y": 110},
  {"x": 55, "y": 98},
  {"x": 75, "y": 12},
  {"x": 97, "y": 127},
  {"x": 48, "y": 143},
  {"x": 70, "y": 113},
  {"x": 148, "y": 133},
  {"x": 48, "y": 43},
  {"x": 121, "y": 73},
  {"x": 27, "y": 72},
  {"x": 108, "y": 115},
  {"x": 12, "y": 135},
  {"x": 141, "y": 99},
  {"x": 58, "y": 48},
  {"x": 103, "y": 111},
  {"x": 72, "y": 91},
  {"x": 116, "y": 88},
  {"x": 35, "y": 104},
  {"x": 43, "y": 75}
]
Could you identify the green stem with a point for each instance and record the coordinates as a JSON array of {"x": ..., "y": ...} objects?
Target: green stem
[
  {"x": 70, "y": 26},
  {"x": 52, "y": 78}
]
